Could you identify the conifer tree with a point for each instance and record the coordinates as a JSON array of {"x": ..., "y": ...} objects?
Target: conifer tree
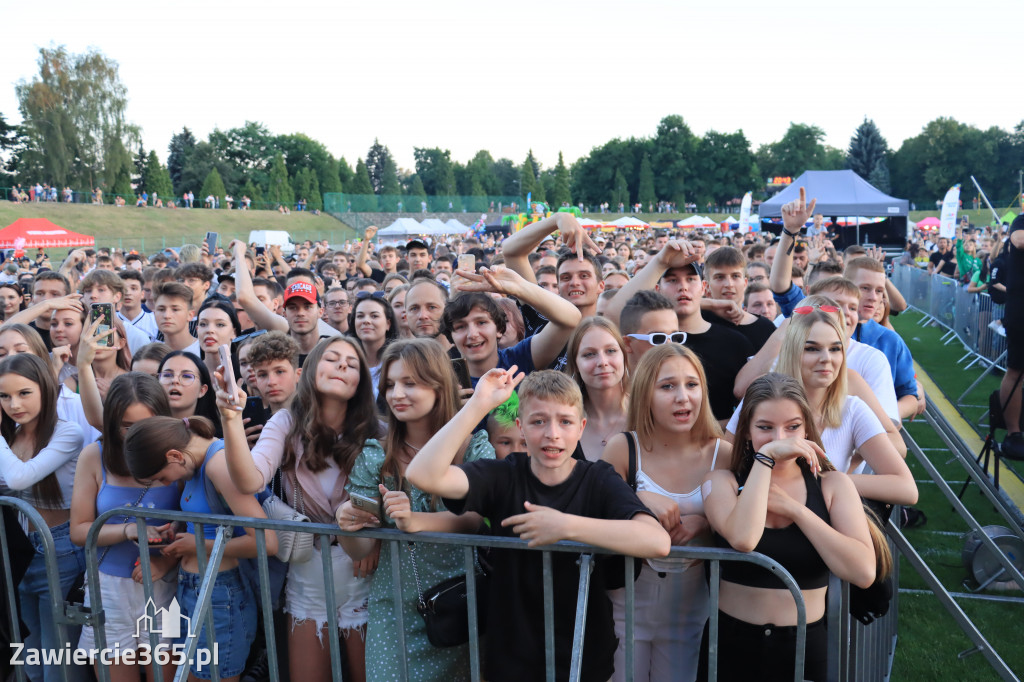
[
  {"x": 560, "y": 192},
  {"x": 213, "y": 185},
  {"x": 867, "y": 155},
  {"x": 359, "y": 191},
  {"x": 620, "y": 195},
  {"x": 527, "y": 178},
  {"x": 253, "y": 192},
  {"x": 279, "y": 190},
  {"x": 158, "y": 180},
  {"x": 315, "y": 200},
  {"x": 645, "y": 189}
]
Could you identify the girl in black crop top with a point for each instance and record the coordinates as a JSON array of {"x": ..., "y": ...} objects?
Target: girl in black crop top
[{"x": 784, "y": 499}]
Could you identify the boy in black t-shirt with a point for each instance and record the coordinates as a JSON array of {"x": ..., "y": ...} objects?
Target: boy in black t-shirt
[{"x": 543, "y": 496}]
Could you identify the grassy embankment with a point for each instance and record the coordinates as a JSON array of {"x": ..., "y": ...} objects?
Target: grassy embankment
[{"x": 151, "y": 229}]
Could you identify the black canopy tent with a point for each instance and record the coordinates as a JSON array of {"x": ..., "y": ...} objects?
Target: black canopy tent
[{"x": 841, "y": 194}]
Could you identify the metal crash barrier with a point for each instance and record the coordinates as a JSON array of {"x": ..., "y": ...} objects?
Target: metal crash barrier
[{"x": 855, "y": 651}]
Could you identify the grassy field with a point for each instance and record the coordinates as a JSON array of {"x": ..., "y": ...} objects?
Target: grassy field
[
  {"x": 929, "y": 638},
  {"x": 151, "y": 229}
]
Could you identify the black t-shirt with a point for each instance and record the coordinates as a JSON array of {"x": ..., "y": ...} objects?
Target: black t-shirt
[
  {"x": 945, "y": 263},
  {"x": 757, "y": 332},
  {"x": 723, "y": 352},
  {"x": 1013, "y": 271},
  {"x": 515, "y": 621},
  {"x": 45, "y": 333},
  {"x": 377, "y": 275}
]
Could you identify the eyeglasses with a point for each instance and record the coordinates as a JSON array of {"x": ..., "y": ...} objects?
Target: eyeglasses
[
  {"x": 659, "y": 338},
  {"x": 250, "y": 335},
  {"x": 185, "y": 378},
  {"x": 338, "y": 304},
  {"x": 807, "y": 309},
  {"x": 370, "y": 294}
]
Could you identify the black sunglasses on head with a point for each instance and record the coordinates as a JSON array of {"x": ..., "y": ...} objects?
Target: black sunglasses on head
[
  {"x": 368, "y": 294},
  {"x": 250, "y": 335}
]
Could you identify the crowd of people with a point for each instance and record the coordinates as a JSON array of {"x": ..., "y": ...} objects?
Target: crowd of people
[{"x": 631, "y": 390}]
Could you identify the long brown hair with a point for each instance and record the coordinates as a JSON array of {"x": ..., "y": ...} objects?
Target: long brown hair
[
  {"x": 35, "y": 342},
  {"x": 131, "y": 388},
  {"x": 35, "y": 370},
  {"x": 773, "y": 386},
  {"x": 576, "y": 340},
  {"x": 426, "y": 360},
  {"x": 792, "y": 351},
  {"x": 320, "y": 442},
  {"x": 147, "y": 443},
  {"x": 639, "y": 417}
]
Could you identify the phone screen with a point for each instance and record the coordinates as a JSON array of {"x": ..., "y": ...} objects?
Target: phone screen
[
  {"x": 461, "y": 370},
  {"x": 227, "y": 368},
  {"x": 104, "y": 312},
  {"x": 467, "y": 262},
  {"x": 211, "y": 242}
]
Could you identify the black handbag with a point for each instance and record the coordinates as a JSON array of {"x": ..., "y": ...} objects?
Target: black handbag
[{"x": 444, "y": 607}]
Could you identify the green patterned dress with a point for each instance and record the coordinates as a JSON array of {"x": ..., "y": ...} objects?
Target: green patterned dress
[{"x": 435, "y": 564}]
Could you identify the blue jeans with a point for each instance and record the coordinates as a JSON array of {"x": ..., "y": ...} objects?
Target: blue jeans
[
  {"x": 234, "y": 619},
  {"x": 34, "y": 591}
]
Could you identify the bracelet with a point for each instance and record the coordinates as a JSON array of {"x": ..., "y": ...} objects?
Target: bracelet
[
  {"x": 125, "y": 532},
  {"x": 764, "y": 459},
  {"x": 793, "y": 235}
]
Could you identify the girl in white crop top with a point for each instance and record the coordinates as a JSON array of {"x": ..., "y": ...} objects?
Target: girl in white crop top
[
  {"x": 37, "y": 460},
  {"x": 677, "y": 442}
]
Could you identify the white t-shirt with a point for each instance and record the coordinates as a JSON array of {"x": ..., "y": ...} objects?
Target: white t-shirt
[
  {"x": 857, "y": 425},
  {"x": 59, "y": 456},
  {"x": 871, "y": 363}
]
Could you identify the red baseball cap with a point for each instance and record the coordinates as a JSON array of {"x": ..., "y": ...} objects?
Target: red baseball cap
[{"x": 303, "y": 290}]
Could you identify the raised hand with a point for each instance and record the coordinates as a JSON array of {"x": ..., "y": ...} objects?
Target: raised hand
[
  {"x": 228, "y": 398},
  {"x": 69, "y": 302},
  {"x": 796, "y": 213},
  {"x": 574, "y": 235},
  {"x": 495, "y": 387},
  {"x": 677, "y": 253},
  {"x": 496, "y": 280},
  {"x": 370, "y": 232}
]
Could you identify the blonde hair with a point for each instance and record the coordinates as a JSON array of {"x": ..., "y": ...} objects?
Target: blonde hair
[
  {"x": 793, "y": 348},
  {"x": 639, "y": 417},
  {"x": 576, "y": 340},
  {"x": 550, "y": 385}
]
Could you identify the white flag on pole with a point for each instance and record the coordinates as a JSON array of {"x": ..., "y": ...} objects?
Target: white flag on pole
[
  {"x": 744, "y": 226},
  {"x": 950, "y": 205}
]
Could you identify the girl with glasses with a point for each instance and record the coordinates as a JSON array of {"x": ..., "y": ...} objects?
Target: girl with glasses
[
  {"x": 672, "y": 442},
  {"x": 189, "y": 390},
  {"x": 597, "y": 363},
  {"x": 37, "y": 462}
]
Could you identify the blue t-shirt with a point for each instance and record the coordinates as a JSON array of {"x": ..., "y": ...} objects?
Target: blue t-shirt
[
  {"x": 895, "y": 350},
  {"x": 520, "y": 355}
]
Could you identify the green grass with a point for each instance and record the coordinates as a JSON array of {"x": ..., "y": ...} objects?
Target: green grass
[
  {"x": 929, "y": 639},
  {"x": 151, "y": 229}
]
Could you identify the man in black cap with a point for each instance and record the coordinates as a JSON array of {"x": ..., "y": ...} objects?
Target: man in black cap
[
  {"x": 1013, "y": 321},
  {"x": 417, "y": 255}
]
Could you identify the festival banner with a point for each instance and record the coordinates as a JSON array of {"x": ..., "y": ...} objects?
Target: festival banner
[
  {"x": 745, "y": 214},
  {"x": 950, "y": 205}
]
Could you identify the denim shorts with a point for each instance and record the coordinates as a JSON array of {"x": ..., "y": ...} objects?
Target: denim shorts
[{"x": 234, "y": 620}]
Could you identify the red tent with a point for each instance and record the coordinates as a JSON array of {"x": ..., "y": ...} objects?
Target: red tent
[{"x": 32, "y": 233}]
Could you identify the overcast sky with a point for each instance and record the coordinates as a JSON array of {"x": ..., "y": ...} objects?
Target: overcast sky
[{"x": 548, "y": 75}]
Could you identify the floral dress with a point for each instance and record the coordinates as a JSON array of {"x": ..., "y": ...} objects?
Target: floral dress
[{"x": 435, "y": 563}]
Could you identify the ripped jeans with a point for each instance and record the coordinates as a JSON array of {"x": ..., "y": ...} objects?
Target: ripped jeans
[{"x": 305, "y": 598}]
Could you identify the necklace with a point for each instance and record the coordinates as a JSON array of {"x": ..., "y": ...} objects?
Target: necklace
[{"x": 413, "y": 447}]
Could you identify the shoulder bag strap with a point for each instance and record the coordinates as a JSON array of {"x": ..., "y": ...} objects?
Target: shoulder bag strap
[{"x": 631, "y": 470}]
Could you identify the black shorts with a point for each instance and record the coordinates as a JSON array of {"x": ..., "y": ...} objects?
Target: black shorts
[
  {"x": 763, "y": 652},
  {"x": 1015, "y": 346}
]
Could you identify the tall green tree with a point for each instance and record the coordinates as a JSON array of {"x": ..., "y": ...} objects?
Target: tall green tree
[
  {"x": 213, "y": 186},
  {"x": 435, "y": 170},
  {"x": 139, "y": 170},
  {"x": 279, "y": 190},
  {"x": 621, "y": 192},
  {"x": 528, "y": 178},
  {"x": 800, "y": 149},
  {"x": 71, "y": 110},
  {"x": 11, "y": 140},
  {"x": 673, "y": 154},
  {"x": 327, "y": 175},
  {"x": 560, "y": 188},
  {"x": 117, "y": 173},
  {"x": 506, "y": 178},
  {"x": 301, "y": 185},
  {"x": 179, "y": 150},
  {"x": 345, "y": 174},
  {"x": 593, "y": 176},
  {"x": 416, "y": 189},
  {"x": 158, "y": 181},
  {"x": 725, "y": 168},
  {"x": 315, "y": 200},
  {"x": 201, "y": 161},
  {"x": 360, "y": 191},
  {"x": 867, "y": 155},
  {"x": 248, "y": 151},
  {"x": 252, "y": 191},
  {"x": 645, "y": 191},
  {"x": 376, "y": 165}
]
